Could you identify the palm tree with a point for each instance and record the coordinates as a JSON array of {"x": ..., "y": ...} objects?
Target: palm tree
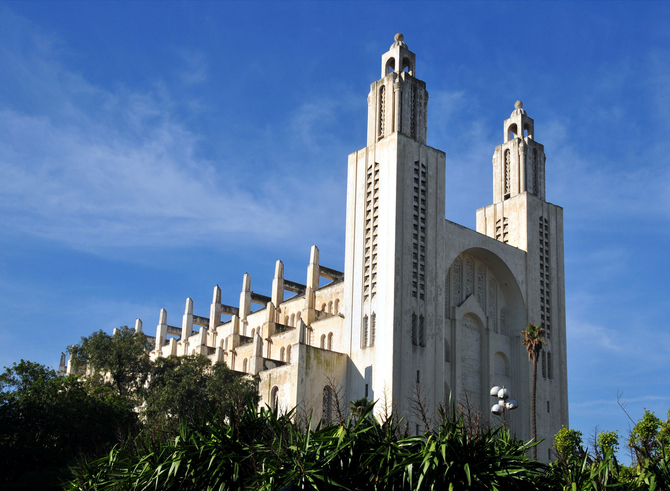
[{"x": 533, "y": 340}]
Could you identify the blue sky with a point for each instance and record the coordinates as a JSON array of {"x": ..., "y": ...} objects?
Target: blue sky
[{"x": 151, "y": 150}]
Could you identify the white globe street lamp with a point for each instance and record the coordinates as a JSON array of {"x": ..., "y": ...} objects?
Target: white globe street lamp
[{"x": 505, "y": 402}]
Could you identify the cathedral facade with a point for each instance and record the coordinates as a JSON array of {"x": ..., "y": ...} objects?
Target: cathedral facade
[{"x": 423, "y": 303}]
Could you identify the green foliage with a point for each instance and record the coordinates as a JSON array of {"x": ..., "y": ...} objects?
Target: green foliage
[
  {"x": 46, "y": 421},
  {"x": 532, "y": 339},
  {"x": 568, "y": 444},
  {"x": 265, "y": 451},
  {"x": 606, "y": 441},
  {"x": 199, "y": 428},
  {"x": 644, "y": 437},
  {"x": 121, "y": 360},
  {"x": 181, "y": 389}
]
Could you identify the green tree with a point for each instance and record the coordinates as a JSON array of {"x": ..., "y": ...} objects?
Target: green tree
[
  {"x": 121, "y": 360},
  {"x": 47, "y": 421},
  {"x": 533, "y": 340},
  {"x": 185, "y": 388},
  {"x": 607, "y": 441},
  {"x": 648, "y": 436},
  {"x": 568, "y": 444}
]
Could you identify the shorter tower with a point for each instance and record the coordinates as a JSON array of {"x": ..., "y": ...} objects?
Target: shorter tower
[{"x": 521, "y": 217}]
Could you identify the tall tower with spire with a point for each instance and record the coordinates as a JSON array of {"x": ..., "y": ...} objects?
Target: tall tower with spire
[{"x": 395, "y": 214}]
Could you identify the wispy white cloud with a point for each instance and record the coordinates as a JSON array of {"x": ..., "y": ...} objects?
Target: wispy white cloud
[
  {"x": 195, "y": 70},
  {"x": 98, "y": 169},
  {"x": 592, "y": 336}
]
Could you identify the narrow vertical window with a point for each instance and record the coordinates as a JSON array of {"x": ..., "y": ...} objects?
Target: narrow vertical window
[
  {"x": 373, "y": 329},
  {"x": 323, "y": 341},
  {"x": 507, "y": 178},
  {"x": 536, "y": 180},
  {"x": 414, "y": 322},
  {"x": 244, "y": 365},
  {"x": 288, "y": 354},
  {"x": 330, "y": 341},
  {"x": 382, "y": 111},
  {"x": 413, "y": 112},
  {"x": 422, "y": 332},
  {"x": 364, "y": 334},
  {"x": 549, "y": 374}
]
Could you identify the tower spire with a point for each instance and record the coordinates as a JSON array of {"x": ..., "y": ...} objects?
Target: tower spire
[
  {"x": 398, "y": 101},
  {"x": 518, "y": 164}
]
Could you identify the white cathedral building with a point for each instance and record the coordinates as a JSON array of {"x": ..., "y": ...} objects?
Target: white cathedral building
[{"x": 422, "y": 301}]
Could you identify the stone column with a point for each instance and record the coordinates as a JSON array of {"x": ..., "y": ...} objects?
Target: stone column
[
  {"x": 215, "y": 310},
  {"x": 161, "y": 331},
  {"x": 245, "y": 302}
]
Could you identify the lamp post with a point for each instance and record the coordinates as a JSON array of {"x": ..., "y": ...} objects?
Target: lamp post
[{"x": 505, "y": 403}]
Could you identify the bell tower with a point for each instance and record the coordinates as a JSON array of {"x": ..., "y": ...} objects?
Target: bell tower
[
  {"x": 521, "y": 217},
  {"x": 518, "y": 164},
  {"x": 395, "y": 215},
  {"x": 398, "y": 101}
]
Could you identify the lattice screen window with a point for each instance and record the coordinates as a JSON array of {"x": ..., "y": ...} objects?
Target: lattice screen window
[
  {"x": 414, "y": 329},
  {"x": 371, "y": 231},
  {"x": 364, "y": 334},
  {"x": 419, "y": 232},
  {"x": 373, "y": 328},
  {"x": 545, "y": 277},
  {"x": 422, "y": 332},
  {"x": 506, "y": 177}
]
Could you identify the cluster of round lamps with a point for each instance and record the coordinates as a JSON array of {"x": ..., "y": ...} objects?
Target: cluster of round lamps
[{"x": 505, "y": 402}]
